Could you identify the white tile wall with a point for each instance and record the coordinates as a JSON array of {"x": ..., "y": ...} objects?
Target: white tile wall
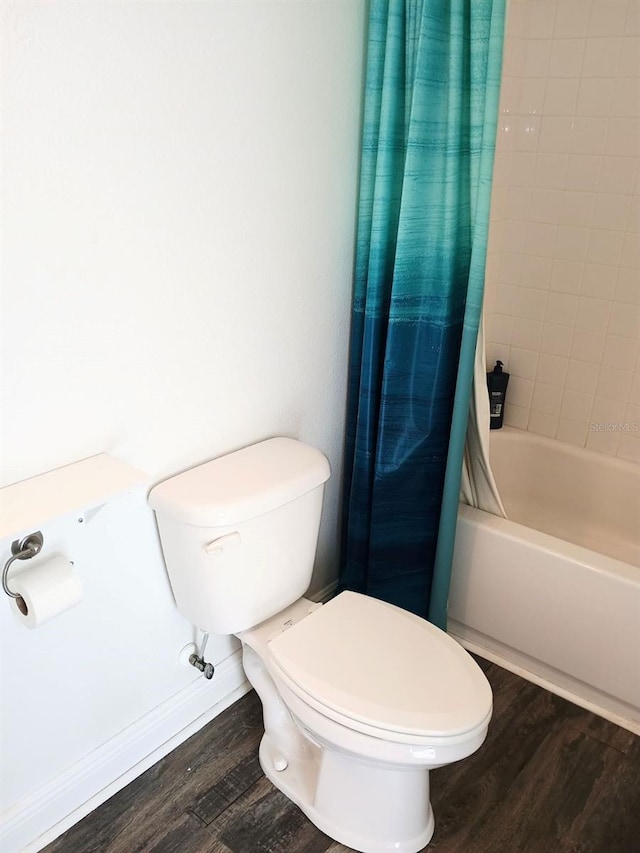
[{"x": 563, "y": 273}]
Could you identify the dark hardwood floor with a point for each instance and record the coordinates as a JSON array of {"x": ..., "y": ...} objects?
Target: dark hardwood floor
[{"x": 550, "y": 778}]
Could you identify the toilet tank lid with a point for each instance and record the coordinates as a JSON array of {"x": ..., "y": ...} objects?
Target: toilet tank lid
[{"x": 241, "y": 485}]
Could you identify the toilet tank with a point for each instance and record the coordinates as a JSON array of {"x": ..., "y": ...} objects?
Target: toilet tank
[{"x": 239, "y": 533}]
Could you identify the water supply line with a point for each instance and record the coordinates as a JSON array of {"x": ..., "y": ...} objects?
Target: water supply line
[{"x": 197, "y": 659}]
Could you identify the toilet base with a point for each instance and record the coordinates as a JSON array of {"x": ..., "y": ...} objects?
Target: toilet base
[{"x": 370, "y": 808}]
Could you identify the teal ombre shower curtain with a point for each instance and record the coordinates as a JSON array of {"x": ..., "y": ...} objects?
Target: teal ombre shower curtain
[{"x": 430, "y": 114}]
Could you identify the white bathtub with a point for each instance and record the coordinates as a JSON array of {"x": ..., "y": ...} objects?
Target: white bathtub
[{"x": 553, "y": 593}]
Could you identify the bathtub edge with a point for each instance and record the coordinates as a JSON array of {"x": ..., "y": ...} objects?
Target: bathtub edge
[{"x": 514, "y": 661}]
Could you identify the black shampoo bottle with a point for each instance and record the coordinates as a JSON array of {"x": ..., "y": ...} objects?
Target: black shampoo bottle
[{"x": 497, "y": 381}]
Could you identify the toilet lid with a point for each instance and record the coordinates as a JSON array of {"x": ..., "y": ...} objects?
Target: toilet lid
[{"x": 382, "y": 666}]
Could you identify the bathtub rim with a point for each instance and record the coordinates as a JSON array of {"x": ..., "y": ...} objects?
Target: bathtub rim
[
  {"x": 572, "y": 493},
  {"x": 573, "y": 450},
  {"x": 553, "y": 544}
]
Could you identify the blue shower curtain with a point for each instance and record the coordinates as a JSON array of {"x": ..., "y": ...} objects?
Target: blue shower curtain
[{"x": 430, "y": 115}]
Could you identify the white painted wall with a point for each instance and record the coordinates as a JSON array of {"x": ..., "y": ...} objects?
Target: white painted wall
[{"x": 179, "y": 198}]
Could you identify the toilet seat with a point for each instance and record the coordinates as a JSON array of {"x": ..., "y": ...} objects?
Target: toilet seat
[{"x": 382, "y": 671}]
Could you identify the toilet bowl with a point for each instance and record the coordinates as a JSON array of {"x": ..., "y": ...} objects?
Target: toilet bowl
[
  {"x": 379, "y": 697},
  {"x": 361, "y": 699}
]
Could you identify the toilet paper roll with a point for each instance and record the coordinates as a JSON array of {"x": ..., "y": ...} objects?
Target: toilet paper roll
[{"x": 45, "y": 591}]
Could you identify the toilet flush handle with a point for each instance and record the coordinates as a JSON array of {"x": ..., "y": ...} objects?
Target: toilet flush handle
[{"x": 223, "y": 543}]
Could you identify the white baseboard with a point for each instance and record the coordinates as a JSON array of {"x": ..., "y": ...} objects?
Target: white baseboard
[{"x": 38, "y": 819}]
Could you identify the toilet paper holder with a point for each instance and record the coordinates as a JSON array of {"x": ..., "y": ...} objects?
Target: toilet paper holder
[{"x": 22, "y": 549}]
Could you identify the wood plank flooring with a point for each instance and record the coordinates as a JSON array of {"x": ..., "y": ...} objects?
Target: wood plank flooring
[{"x": 550, "y": 778}]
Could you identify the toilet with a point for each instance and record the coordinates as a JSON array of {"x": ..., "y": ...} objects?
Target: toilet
[{"x": 361, "y": 699}]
